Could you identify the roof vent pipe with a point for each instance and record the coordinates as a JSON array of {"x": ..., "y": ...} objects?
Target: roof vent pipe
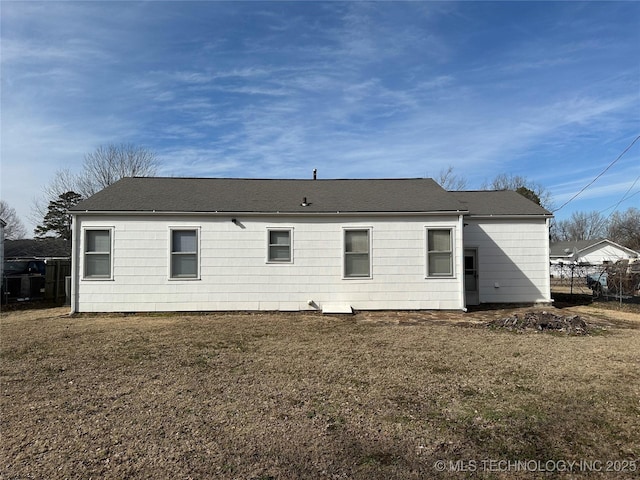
[
  {"x": 304, "y": 202},
  {"x": 315, "y": 173}
]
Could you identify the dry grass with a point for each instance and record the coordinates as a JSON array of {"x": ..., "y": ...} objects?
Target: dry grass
[{"x": 287, "y": 396}]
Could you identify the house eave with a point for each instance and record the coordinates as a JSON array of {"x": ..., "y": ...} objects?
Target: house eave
[
  {"x": 250, "y": 213},
  {"x": 607, "y": 241},
  {"x": 509, "y": 217}
]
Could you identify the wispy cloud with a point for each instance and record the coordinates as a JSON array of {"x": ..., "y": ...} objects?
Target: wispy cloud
[{"x": 355, "y": 89}]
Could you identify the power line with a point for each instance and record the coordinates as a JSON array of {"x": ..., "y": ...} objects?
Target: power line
[
  {"x": 599, "y": 175},
  {"x": 625, "y": 197},
  {"x": 627, "y": 193}
]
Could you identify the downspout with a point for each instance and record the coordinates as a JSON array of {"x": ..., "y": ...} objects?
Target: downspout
[
  {"x": 74, "y": 263},
  {"x": 548, "y": 258},
  {"x": 461, "y": 288}
]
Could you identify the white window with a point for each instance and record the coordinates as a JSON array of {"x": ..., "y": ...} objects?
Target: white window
[
  {"x": 97, "y": 254},
  {"x": 357, "y": 258},
  {"x": 279, "y": 248},
  {"x": 184, "y": 254},
  {"x": 439, "y": 252}
]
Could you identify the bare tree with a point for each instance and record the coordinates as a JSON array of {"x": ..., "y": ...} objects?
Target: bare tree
[
  {"x": 108, "y": 164},
  {"x": 529, "y": 189},
  {"x": 451, "y": 181},
  {"x": 62, "y": 181},
  {"x": 580, "y": 226},
  {"x": 558, "y": 231},
  {"x": 15, "y": 229},
  {"x": 624, "y": 228}
]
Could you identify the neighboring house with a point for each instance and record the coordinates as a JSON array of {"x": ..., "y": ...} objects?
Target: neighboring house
[
  {"x": 39, "y": 248},
  {"x": 588, "y": 253},
  {"x": 196, "y": 244},
  {"x": 37, "y": 268}
]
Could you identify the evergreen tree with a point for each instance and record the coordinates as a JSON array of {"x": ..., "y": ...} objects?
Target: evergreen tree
[
  {"x": 530, "y": 194},
  {"x": 531, "y": 190},
  {"x": 58, "y": 219}
]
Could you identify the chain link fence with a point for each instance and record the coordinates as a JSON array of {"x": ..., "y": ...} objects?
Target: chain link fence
[{"x": 609, "y": 281}]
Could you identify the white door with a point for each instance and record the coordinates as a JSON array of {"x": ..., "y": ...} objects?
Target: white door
[{"x": 471, "y": 276}]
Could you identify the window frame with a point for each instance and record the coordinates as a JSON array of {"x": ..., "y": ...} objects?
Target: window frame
[
  {"x": 186, "y": 228},
  {"x": 85, "y": 233},
  {"x": 345, "y": 231},
  {"x": 451, "y": 252},
  {"x": 269, "y": 258}
]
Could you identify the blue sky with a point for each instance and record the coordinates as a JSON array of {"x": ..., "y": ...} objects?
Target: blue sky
[{"x": 546, "y": 90}]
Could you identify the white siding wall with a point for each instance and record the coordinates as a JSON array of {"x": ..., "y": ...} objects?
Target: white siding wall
[
  {"x": 604, "y": 252},
  {"x": 236, "y": 276},
  {"x": 513, "y": 259}
]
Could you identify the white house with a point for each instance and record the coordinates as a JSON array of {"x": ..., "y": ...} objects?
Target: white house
[
  {"x": 592, "y": 252},
  {"x": 202, "y": 244}
]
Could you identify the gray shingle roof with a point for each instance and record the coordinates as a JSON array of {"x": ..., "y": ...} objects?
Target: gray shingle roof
[
  {"x": 498, "y": 202},
  {"x": 557, "y": 249},
  {"x": 265, "y": 196},
  {"x": 37, "y": 248},
  {"x": 237, "y": 195}
]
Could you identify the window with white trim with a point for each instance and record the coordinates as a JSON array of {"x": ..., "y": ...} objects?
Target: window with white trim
[
  {"x": 184, "y": 253},
  {"x": 357, "y": 253},
  {"x": 279, "y": 248},
  {"x": 97, "y": 254},
  {"x": 440, "y": 252}
]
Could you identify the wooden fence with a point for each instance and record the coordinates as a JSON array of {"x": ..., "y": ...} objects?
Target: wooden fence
[{"x": 56, "y": 273}]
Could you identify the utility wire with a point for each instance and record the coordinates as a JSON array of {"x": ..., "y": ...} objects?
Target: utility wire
[
  {"x": 599, "y": 175},
  {"x": 625, "y": 197},
  {"x": 627, "y": 193},
  {"x": 616, "y": 205}
]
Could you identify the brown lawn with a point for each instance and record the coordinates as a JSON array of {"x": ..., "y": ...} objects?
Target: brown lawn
[{"x": 287, "y": 396}]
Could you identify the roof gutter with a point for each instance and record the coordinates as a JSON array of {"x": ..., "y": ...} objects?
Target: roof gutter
[
  {"x": 510, "y": 216},
  {"x": 293, "y": 214}
]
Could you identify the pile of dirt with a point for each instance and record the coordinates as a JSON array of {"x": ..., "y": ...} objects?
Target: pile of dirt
[{"x": 542, "y": 322}]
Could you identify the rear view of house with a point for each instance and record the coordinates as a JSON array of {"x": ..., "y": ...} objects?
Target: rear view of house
[{"x": 195, "y": 244}]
